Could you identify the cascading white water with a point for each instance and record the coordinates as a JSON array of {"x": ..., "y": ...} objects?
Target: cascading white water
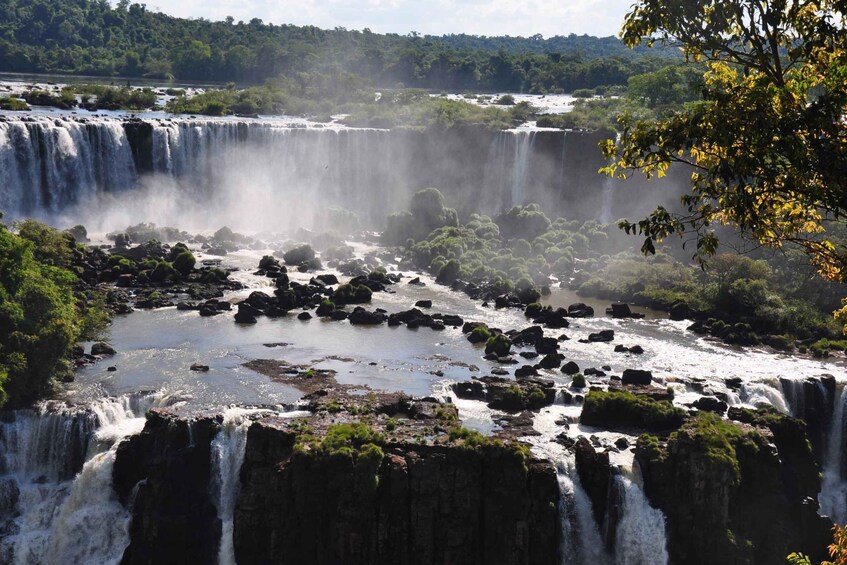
[
  {"x": 762, "y": 393},
  {"x": 581, "y": 541},
  {"x": 520, "y": 168},
  {"x": 641, "y": 538},
  {"x": 833, "y": 495},
  {"x": 227, "y": 456},
  {"x": 57, "y": 504},
  {"x": 605, "y": 216}
]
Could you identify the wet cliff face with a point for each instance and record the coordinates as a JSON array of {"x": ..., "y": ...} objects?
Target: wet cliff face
[
  {"x": 165, "y": 472},
  {"x": 736, "y": 492},
  {"x": 412, "y": 503}
]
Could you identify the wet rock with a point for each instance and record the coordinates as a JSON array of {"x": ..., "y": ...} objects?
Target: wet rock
[
  {"x": 622, "y": 443},
  {"x": 525, "y": 371},
  {"x": 243, "y": 317},
  {"x": 423, "y": 304},
  {"x": 680, "y": 311},
  {"x": 199, "y": 368},
  {"x": 304, "y": 316},
  {"x": 602, "y": 336},
  {"x": 547, "y": 345},
  {"x": 551, "y": 361},
  {"x": 111, "y": 369},
  {"x": 528, "y": 336},
  {"x": 570, "y": 368},
  {"x": 710, "y": 404},
  {"x": 620, "y": 310},
  {"x": 580, "y": 310},
  {"x": 327, "y": 279},
  {"x": 593, "y": 372},
  {"x": 102, "y": 349},
  {"x": 595, "y": 474},
  {"x": 473, "y": 390},
  {"x": 636, "y": 377},
  {"x": 528, "y": 354},
  {"x": 362, "y": 317}
]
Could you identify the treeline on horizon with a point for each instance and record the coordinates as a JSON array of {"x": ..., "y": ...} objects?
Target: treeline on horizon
[{"x": 91, "y": 37}]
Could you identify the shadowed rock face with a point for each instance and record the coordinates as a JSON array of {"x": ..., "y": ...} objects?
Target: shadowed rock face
[
  {"x": 173, "y": 518},
  {"x": 749, "y": 500},
  {"x": 424, "y": 504},
  {"x": 416, "y": 502}
]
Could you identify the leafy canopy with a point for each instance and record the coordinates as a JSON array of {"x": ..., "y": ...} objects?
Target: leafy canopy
[{"x": 767, "y": 145}]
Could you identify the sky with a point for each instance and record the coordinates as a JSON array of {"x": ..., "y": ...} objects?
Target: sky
[{"x": 432, "y": 17}]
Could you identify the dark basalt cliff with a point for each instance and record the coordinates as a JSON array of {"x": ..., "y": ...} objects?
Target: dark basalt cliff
[
  {"x": 421, "y": 504},
  {"x": 414, "y": 503},
  {"x": 167, "y": 470},
  {"x": 735, "y": 492}
]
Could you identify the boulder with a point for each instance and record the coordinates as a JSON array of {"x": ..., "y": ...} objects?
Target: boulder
[
  {"x": 423, "y": 304},
  {"x": 636, "y": 377},
  {"x": 580, "y": 310},
  {"x": 360, "y": 316},
  {"x": 570, "y": 368},
  {"x": 525, "y": 371},
  {"x": 102, "y": 349},
  {"x": 602, "y": 336}
]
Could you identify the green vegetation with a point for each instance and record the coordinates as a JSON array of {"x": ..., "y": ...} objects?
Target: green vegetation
[
  {"x": 13, "y": 104},
  {"x": 625, "y": 410},
  {"x": 417, "y": 109},
  {"x": 597, "y": 114},
  {"x": 40, "y": 318},
  {"x": 113, "y": 97},
  {"x": 475, "y": 441},
  {"x": 715, "y": 438},
  {"x": 767, "y": 297},
  {"x": 92, "y": 37},
  {"x": 771, "y": 85}
]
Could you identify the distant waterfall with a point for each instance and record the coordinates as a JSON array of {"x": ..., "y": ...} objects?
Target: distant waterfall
[
  {"x": 57, "y": 504},
  {"x": 581, "y": 541},
  {"x": 833, "y": 496},
  {"x": 641, "y": 537},
  {"x": 509, "y": 169},
  {"x": 49, "y": 166}
]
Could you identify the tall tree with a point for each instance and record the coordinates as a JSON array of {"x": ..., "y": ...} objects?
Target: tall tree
[{"x": 768, "y": 143}]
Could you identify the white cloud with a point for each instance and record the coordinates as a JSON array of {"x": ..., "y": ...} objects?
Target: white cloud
[{"x": 481, "y": 17}]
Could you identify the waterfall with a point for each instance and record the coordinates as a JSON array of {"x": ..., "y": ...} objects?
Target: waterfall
[
  {"x": 581, "y": 541},
  {"x": 833, "y": 496},
  {"x": 75, "y": 169},
  {"x": 761, "y": 393},
  {"x": 228, "y": 449},
  {"x": 523, "y": 148},
  {"x": 605, "y": 216},
  {"x": 641, "y": 538},
  {"x": 57, "y": 504}
]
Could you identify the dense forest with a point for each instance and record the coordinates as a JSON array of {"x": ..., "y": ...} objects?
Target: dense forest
[{"x": 92, "y": 37}]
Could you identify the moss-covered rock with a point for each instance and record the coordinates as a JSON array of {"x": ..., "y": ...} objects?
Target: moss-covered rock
[{"x": 624, "y": 410}]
